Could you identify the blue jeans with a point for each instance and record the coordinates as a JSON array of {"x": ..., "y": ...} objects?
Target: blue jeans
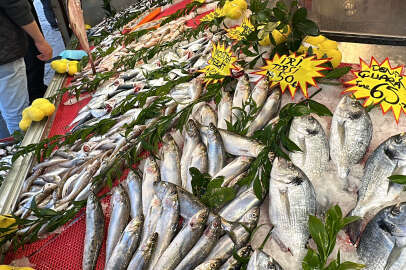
[{"x": 13, "y": 96}]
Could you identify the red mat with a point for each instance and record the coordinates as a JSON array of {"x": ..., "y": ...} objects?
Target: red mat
[{"x": 64, "y": 250}]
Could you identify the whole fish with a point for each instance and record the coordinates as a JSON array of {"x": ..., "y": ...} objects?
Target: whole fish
[
  {"x": 235, "y": 209},
  {"x": 293, "y": 200},
  {"x": 268, "y": 111},
  {"x": 120, "y": 213},
  {"x": 209, "y": 265},
  {"x": 134, "y": 190},
  {"x": 206, "y": 115},
  {"x": 152, "y": 218},
  {"x": 126, "y": 246},
  {"x": 168, "y": 222},
  {"x": 215, "y": 150},
  {"x": 142, "y": 256},
  {"x": 199, "y": 161},
  {"x": 307, "y": 133},
  {"x": 234, "y": 264},
  {"x": 376, "y": 189},
  {"x": 224, "y": 111},
  {"x": 241, "y": 96},
  {"x": 203, "y": 247},
  {"x": 384, "y": 239},
  {"x": 261, "y": 261},
  {"x": 150, "y": 176},
  {"x": 239, "y": 145},
  {"x": 183, "y": 242},
  {"x": 351, "y": 133},
  {"x": 192, "y": 140},
  {"x": 233, "y": 169},
  {"x": 94, "y": 232},
  {"x": 170, "y": 165},
  {"x": 260, "y": 92}
]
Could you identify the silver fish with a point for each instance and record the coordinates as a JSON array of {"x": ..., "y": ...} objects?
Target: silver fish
[
  {"x": 268, "y": 111},
  {"x": 203, "y": 247},
  {"x": 133, "y": 184},
  {"x": 307, "y": 133},
  {"x": 233, "y": 169},
  {"x": 215, "y": 150},
  {"x": 94, "y": 232},
  {"x": 384, "y": 239},
  {"x": 142, "y": 256},
  {"x": 206, "y": 115},
  {"x": 199, "y": 161},
  {"x": 351, "y": 133},
  {"x": 192, "y": 140},
  {"x": 126, "y": 245},
  {"x": 151, "y": 175},
  {"x": 241, "y": 96},
  {"x": 183, "y": 242},
  {"x": 170, "y": 164},
  {"x": 152, "y": 218},
  {"x": 260, "y": 92},
  {"x": 224, "y": 111},
  {"x": 376, "y": 189},
  {"x": 168, "y": 222},
  {"x": 240, "y": 146},
  {"x": 120, "y": 214},
  {"x": 209, "y": 265},
  {"x": 292, "y": 201},
  {"x": 234, "y": 264},
  {"x": 261, "y": 261},
  {"x": 235, "y": 209}
]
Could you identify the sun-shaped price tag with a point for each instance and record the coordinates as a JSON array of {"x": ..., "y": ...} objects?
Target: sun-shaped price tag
[
  {"x": 293, "y": 71},
  {"x": 242, "y": 31},
  {"x": 380, "y": 83},
  {"x": 217, "y": 13},
  {"x": 221, "y": 63}
]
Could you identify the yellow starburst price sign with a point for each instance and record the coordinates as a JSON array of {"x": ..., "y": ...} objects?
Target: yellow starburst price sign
[
  {"x": 241, "y": 32},
  {"x": 380, "y": 83},
  {"x": 293, "y": 71},
  {"x": 220, "y": 64},
  {"x": 217, "y": 13}
]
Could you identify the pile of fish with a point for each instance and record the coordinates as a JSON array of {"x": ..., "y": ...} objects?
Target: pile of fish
[
  {"x": 157, "y": 223},
  {"x": 7, "y": 150}
]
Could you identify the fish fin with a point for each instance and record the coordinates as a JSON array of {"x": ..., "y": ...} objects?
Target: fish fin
[
  {"x": 285, "y": 201},
  {"x": 280, "y": 243},
  {"x": 341, "y": 132},
  {"x": 354, "y": 231},
  {"x": 393, "y": 257}
]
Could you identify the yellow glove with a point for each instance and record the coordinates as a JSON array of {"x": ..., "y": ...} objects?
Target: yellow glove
[
  {"x": 6, "y": 222},
  {"x": 7, "y": 267}
]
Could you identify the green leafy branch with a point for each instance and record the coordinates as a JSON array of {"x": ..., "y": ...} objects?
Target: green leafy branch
[
  {"x": 243, "y": 118},
  {"x": 325, "y": 235}
]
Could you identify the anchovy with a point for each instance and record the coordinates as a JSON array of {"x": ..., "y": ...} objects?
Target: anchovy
[
  {"x": 384, "y": 240},
  {"x": 224, "y": 111},
  {"x": 261, "y": 261},
  {"x": 170, "y": 165},
  {"x": 126, "y": 245},
  {"x": 142, "y": 256},
  {"x": 351, "y": 133},
  {"x": 235, "y": 209},
  {"x": 209, "y": 265},
  {"x": 152, "y": 218},
  {"x": 307, "y": 133},
  {"x": 203, "y": 247},
  {"x": 94, "y": 232},
  {"x": 134, "y": 190},
  {"x": 376, "y": 189},
  {"x": 215, "y": 150},
  {"x": 183, "y": 242},
  {"x": 199, "y": 161},
  {"x": 241, "y": 96},
  {"x": 233, "y": 169},
  {"x": 234, "y": 264},
  {"x": 151, "y": 175},
  {"x": 260, "y": 92},
  {"x": 120, "y": 214},
  {"x": 293, "y": 200}
]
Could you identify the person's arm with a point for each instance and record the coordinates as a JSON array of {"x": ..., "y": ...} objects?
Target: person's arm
[
  {"x": 42, "y": 45},
  {"x": 19, "y": 11}
]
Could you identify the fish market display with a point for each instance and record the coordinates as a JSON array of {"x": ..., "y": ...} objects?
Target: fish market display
[
  {"x": 7, "y": 150},
  {"x": 206, "y": 165}
]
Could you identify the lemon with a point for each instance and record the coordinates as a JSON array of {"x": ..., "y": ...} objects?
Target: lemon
[
  {"x": 5, "y": 222},
  {"x": 35, "y": 114},
  {"x": 24, "y": 124},
  {"x": 266, "y": 41},
  {"x": 40, "y": 101},
  {"x": 318, "y": 53},
  {"x": 328, "y": 44},
  {"x": 87, "y": 27},
  {"x": 241, "y": 3},
  {"x": 25, "y": 112},
  {"x": 279, "y": 36},
  {"x": 314, "y": 40},
  {"x": 7, "y": 267},
  {"x": 302, "y": 49},
  {"x": 335, "y": 57},
  {"x": 47, "y": 108},
  {"x": 59, "y": 65},
  {"x": 233, "y": 12},
  {"x": 73, "y": 67}
]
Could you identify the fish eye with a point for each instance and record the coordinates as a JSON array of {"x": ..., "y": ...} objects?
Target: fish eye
[
  {"x": 310, "y": 118},
  {"x": 398, "y": 139},
  {"x": 395, "y": 210},
  {"x": 290, "y": 165}
]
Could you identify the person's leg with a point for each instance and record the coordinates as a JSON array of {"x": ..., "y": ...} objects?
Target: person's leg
[
  {"x": 3, "y": 129},
  {"x": 13, "y": 93},
  {"x": 49, "y": 13}
]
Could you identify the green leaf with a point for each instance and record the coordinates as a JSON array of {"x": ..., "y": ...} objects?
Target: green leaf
[
  {"x": 299, "y": 15},
  {"x": 279, "y": 14},
  {"x": 337, "y": 73},
  {"x": 258, "y": 188},
  {"x": 350, "y": 265},
  {"x": 199, "y": 182},
  {"x": 299, "y": 110},
  {"x": 289, "y": 144},
  {"x": 319, "y": 108},
  {"x": 348, "y": 220},
  {"x": 398, "y": 179},
  {"x": 311, "y": 261},
  {"x": 319, "y": 235},
  {"x": 308, "y": 27},
  {"x": 215, "y": 183},
  {"x": 218, "y": 197}
]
